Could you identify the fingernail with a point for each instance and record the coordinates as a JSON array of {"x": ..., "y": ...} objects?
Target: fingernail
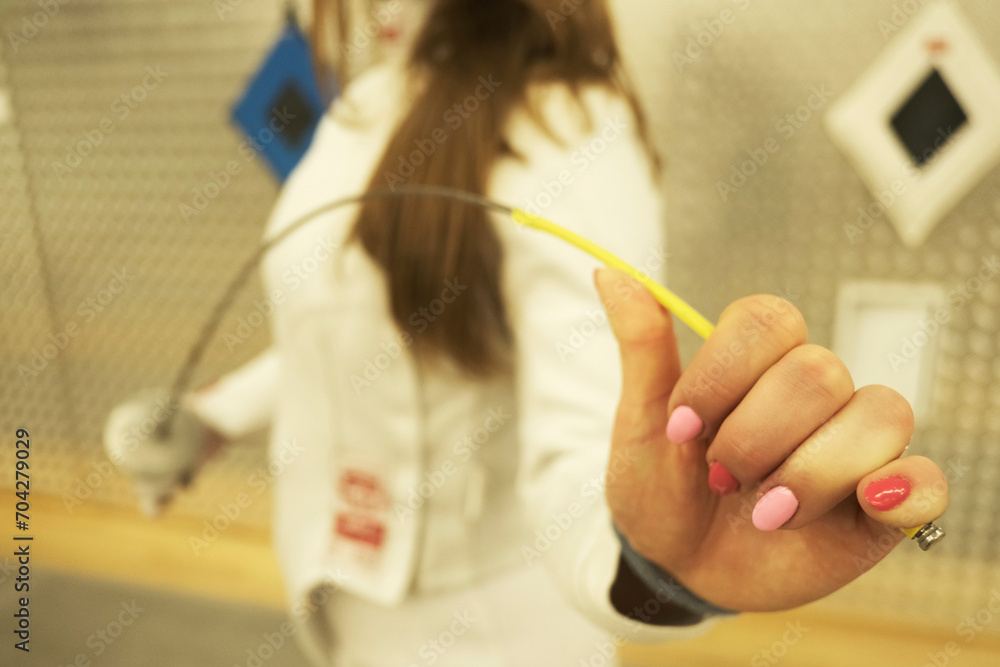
[
  {"x": 720, "y": 480},
  {"x": 684, "y": 425},
  {"x": 775, "y": 508},
  {"x": 885, "y": 494},
  {"x": 597, "y": 274}
]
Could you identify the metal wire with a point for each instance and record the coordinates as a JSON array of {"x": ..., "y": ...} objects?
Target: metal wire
[{"x": 197, "y": 351}]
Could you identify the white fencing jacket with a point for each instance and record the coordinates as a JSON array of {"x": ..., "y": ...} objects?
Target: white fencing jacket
[{"x": 393, "y": 478}]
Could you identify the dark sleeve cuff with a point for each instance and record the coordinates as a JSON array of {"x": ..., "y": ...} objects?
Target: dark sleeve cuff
[{"x": 664, "y": 585}]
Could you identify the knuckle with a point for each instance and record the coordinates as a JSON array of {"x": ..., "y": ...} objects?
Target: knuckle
[
  {"x": 772, "y": 315},
  {"x": 737, "y": 449},
  {"x": 819, "y": 369},
  {"x": 738, "y": 454},
  {"x": 894, "y": 410},
  {"x": 708, "y": 387}
]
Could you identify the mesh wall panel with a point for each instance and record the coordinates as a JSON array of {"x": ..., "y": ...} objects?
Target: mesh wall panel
[{"x": 121, "y": 118}]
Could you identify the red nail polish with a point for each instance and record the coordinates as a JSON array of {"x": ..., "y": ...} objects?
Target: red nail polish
[
  {"x": 885, "y": 494},
  {"x": 720, "y": 480}
]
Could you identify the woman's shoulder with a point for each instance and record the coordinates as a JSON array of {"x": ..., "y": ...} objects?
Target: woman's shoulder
[
  {"x": 571, "y": 114},
  {"x": 578, "y": 158},
  {"x": 375, "y": 89},
  {"x": 373, "y": 80}
]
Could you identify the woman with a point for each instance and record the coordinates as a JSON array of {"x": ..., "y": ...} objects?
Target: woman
[
  {"x": 444, "y": 384},
  {"x": 431, "y": 348}
]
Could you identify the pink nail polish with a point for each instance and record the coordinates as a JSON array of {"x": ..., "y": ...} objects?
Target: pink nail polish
[
  {"x": 720, "y": 480},
  {"x": 684, "y": 425},
  {"x": 775, "y": 508}
]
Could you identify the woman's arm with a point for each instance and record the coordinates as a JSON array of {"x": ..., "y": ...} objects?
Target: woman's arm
[{"x": 240, "y": 402}]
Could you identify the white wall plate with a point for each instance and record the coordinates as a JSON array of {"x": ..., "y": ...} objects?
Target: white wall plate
[
  {"x": 887, "y": 333},
  {"x": 922, "y": 125}
]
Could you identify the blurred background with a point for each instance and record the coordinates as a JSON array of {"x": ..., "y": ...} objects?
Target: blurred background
[{"x": 118, "y": 232}]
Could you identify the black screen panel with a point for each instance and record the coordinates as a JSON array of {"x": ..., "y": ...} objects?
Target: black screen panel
[{"x": 928, "y": 119}]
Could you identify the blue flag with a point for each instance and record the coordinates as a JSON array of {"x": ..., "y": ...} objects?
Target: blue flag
[{"x": 282, "y": 104}]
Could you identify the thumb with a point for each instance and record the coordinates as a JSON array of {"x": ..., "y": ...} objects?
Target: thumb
[
  {"x": 666, "y": 476},
  {"x": 646, "y": 341}
]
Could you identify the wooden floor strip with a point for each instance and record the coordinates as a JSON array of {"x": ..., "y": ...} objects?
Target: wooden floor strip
[{"x": 239, "y": 565}]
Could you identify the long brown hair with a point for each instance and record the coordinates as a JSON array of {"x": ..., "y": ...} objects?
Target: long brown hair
[{"x": 421, "y": 242}]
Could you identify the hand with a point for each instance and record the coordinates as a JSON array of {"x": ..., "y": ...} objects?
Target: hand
[
  {"x": 212, "y": 442},
  {"x": 157, "y": 465},
  {"x": 767, "y": 410}
]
